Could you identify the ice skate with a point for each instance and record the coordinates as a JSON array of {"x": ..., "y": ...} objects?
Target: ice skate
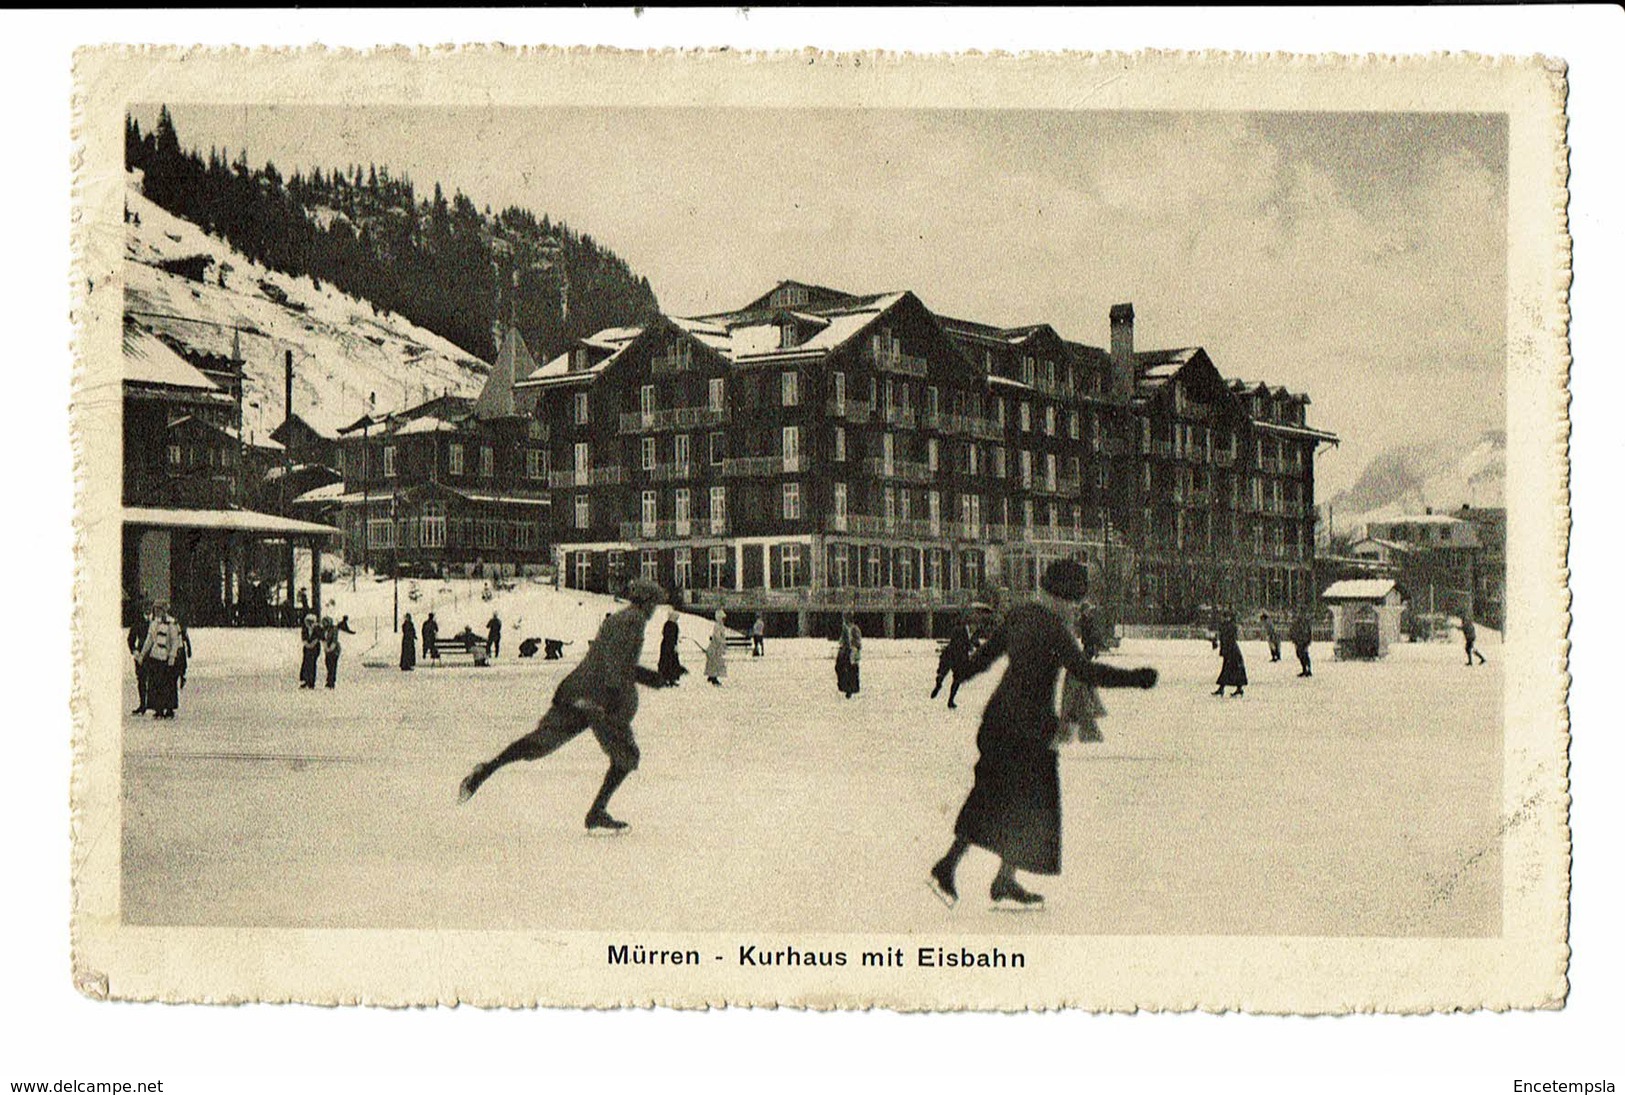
[
  {"x": 1012, "y": 896},
  {"x": 472, "y": 781},
  {"x": 599, "y": 823},
  {"x": 941, "y": 881}
]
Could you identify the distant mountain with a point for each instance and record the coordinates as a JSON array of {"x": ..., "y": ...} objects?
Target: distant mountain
[
  {"x": 439, "y": 262},
  {"x": 207, "y": 298},
  {"x": 1410, "y": 478}
]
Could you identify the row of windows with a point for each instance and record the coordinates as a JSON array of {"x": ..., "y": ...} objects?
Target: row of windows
[
  {"x": 430, "y": 530},
  {"x": 536, "y": 462}
]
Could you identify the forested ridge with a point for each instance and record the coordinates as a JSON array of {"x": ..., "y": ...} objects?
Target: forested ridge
[{"x": 440, "y": 263}]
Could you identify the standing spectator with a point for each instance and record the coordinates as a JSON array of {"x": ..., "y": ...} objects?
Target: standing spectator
[
  {"x": 493, "y": 634},
  {"x": 1303, "y": 633},
  {"x": 431, "y": 638},
  {"x": 310, "y": 641},
  {"x": 670, "y": 667},
  {"x": 135, "y": 640},
  {"x": 758, "y": 632},
  {"x": 1469, "y": 636},
  {"x": 716, "y": 654},
  {"x": 159, "y": 652},
  {"x": 848, "y": 656},
  {"x": 409, "y": 644},
  {"x": 332, "y": 647},
  {"x": 1233, "y": 670},
  {"x": 183, "y": 654},
  {"x": 1271, "y": 636}
]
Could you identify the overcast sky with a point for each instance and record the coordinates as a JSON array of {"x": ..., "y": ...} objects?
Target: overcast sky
[{"x": 1358, "y": 257}]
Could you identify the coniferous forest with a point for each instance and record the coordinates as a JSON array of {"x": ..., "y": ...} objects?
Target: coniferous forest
[{"x": 438, "y": 262}]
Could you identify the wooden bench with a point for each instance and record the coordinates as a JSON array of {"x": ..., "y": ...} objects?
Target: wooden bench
[
  {"x": 455, "y": 650},
  {"x": 738, "y": 642}
]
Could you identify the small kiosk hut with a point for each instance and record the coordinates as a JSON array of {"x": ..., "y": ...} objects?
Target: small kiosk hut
[{"x": 1365, "y": 616}]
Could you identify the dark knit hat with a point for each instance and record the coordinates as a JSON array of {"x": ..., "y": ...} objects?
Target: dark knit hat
[
  {"x": 1066, "y": 579},
  {"x": 644, "y": 592}
]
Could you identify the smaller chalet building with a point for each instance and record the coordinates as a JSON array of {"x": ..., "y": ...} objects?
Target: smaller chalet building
[{"x": 454, "y": 484}]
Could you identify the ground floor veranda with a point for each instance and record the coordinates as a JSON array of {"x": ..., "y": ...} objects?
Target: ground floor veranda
[{"x": 427, "y": 531}]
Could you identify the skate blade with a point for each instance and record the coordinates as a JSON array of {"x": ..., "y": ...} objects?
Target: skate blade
[
  {"x": 941, "y": 894},
  {"x": 607, "y": 834},
  {"x": 1015, "y": 908}
]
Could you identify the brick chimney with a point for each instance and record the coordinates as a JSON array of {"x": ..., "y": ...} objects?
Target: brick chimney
[{"x": 1124, "y": 374}]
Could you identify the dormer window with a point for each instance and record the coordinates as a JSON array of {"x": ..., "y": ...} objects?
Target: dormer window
[{"x": 787, "y": 334}]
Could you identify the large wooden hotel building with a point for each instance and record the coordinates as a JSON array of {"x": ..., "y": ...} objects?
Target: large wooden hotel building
[{"x": 818, "y": 451}]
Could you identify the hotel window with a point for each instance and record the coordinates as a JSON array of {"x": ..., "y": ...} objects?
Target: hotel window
[
  {"x": 973, "y": 570},
  {"x": 933, "y": 401},
  {"x": 998, "y": 461},
  {"x": 434, "y": 524},
  {"x": 1145, "y": 478},
  {"x": 1049, "y": 421},
  {"x": 647, "y": 444},
  {"x": 649, "y": 565},
  {"x": 682, "y": 569},
  {"x": 792, "y": 501},
  {"x": 974, "y": 459},
  {"x": 454, "y": 460},
  {"x": 1072, "y": 424},
  {"x": 790, "y": 442},
  {"x": 679, "y": 452},
  {"x": 646, "y": 402},
  {"x": 790, "y": 388},
  {"x": 1027, "y": 373},
  {"x": 380, "y": 532},
  {"x": 931, "y": 453},
  {"x": 888, "y": 448},
  {"x": 1077, "y": 523},
  {"x": 790, "y": 566},
  {"x": 680, "y": 510},
  {"x": 1145, "y": 435},
  {"x": 487, "y": 462},
  {"x": 535, "y": 463},
  {"x": 650, "y": 512},
  {"x": 1027, "y": 514},
  {"x": 890, "y": 507},
  {"x": 998, "y": 412},
  {"x": 840, "y": 444},
  {"x": 904, "y": 507},
  {"x": 536, "y": 429},
  {"x": 838, "y": 392},
  {"x": 838, "y": 507},
  {"x": 581, "y": 408},
  {"x": 1049, "y": 471},
  {"x": 933, "y": 509},
  {"x": 583, "y": 569},
  {"x": 905, "y": 568},
  {"x": 1026, "y": 469},
  {"x": 1103, "y": 476},
  {"x": 1026, "y": 417},
  {"x": 719, "y": 509},
  {"x": 714, "y": 394},
  {"x": 583, "y": 512},
  {"x": 933, "y": 576},
  {"x": 716, "y": 568},
  {"x": 583, "y": 460},
  {"x": 389, "y": 460},
  {"x": 719, "y": 448},
  {"x": 840, "y": 566},
  {"x": 872, "y": 565}
]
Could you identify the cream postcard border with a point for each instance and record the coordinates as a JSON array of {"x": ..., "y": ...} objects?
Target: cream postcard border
[{"x": 1524, "y": 968}]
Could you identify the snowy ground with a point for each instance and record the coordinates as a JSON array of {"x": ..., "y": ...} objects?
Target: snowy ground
[{"x": 1362, "y": 802}]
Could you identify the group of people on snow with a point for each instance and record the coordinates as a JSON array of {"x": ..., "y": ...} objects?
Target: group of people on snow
[
  {"x": 161, "y": 648},
  {"x": 466, "y": 638},
  {"x": 319, "y": 638},
  {"x": 1226, "y": 640}
]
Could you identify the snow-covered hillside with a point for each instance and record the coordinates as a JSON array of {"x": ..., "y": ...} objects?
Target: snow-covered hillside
[
  {"x": 344, "y": 354},
  {"x": 1410, "y": 479}
]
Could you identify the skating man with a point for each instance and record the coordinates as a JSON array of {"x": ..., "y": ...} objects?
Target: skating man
[
  {"x": 600, "y": 693},
  {"x": 431, "y": 638},
  {"x": 1303, "y": 633},
  {"x": 493, "y": 635},
  {"x": 954, "y": 656},
  {"x": 1469, "y": 636},
  {"x": 1271, "y": 636},
  {"x": 758, "y": 632},
  {"x": 1014, "y": 807}
]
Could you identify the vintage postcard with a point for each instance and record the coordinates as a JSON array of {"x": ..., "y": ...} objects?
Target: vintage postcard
[{"x": 836, "y": 531}]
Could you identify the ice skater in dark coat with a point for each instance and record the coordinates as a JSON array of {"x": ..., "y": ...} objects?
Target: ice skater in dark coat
[
  {"x": 1233, "y": 670},
  {"x": 953, "y": 659},
  {"x": 600, "y": 693},
  {"x": 671, "y": 667},
  {"x": 431, "y": 637},
  {"x": 493, "y": 635},
  {"x": 310, "y": 641},
  {"x": 1469, "y": 636},
  {"x": 1014, "y": 807}
]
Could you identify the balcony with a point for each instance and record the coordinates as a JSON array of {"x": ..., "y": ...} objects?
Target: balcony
[
  {"x": 676, "y": 529},
  {"x": 1063, "y": 485},
  {"x": 671, "y": 473},
  {"x": 888, "y": 361},
  {"x": 863, "y": 524},
  {"x": 1036, "y": 534},
  {"x": 675, "y": 418},
  {"x": 587, "y": 477},
  {"x": 983, "y": 429},
  {"x": 750, "y": 466},
  {"x": 857, "y": 414},
  {"x": 899, "y": 416},
  {"x": 905, "y": 470}
]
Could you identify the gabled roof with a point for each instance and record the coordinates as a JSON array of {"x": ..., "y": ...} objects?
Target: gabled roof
[
  {"x": 817, "y": 296},
  {"x": 286, "y": 425},
  {"x": 513, "y": 361},
  {"x": 1359, "y": 589},
  {"x": 148, "y": 361}
]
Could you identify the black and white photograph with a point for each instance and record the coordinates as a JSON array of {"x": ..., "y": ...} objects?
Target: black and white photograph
[{"x": 896, "y": 549}]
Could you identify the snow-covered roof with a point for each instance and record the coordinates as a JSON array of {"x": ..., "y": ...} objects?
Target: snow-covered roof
[
  {"x": 230, "y": 520},
  {"x": 427, "y": 424},
  {"x": 332, "y": 492},
  {"x": 1359, "y": 589},
  {"x": 148, "y": 361},
  {"x": 1422, "y": 519}
]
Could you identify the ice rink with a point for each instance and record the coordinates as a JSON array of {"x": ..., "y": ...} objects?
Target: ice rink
[{"x": 1363, "y": 801}]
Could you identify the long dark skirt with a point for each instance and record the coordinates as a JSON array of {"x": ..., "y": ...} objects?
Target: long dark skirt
[
  {"x": 1233, "y": 673},
  {"x": 409, "y": 653},
  {"x": 163, "y": 691},
  {"x": 307, "y": 666},
  {"x": 1014, "y": 808},
  {"x": 846, "y": 674}
]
